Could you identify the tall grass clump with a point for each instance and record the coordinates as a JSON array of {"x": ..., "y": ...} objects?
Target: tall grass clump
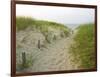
[
  {"x": 23, "y": 22},
  {"x": 84, "y": 47}
]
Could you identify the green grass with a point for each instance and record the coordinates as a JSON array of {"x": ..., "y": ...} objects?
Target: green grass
[
  {"x": 84, "y": 48},
  {"x": 24, "y": 22}
]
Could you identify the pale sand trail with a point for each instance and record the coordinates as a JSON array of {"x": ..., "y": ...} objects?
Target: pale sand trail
[{"x": 55, "y": 57}]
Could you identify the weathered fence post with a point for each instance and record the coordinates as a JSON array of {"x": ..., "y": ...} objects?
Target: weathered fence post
[
  {"x": 39, "y": 44},
  {"x": 72, "y": 31},
  {"x": 54, "y": 38},
  {"x": 23, "y": 59}
]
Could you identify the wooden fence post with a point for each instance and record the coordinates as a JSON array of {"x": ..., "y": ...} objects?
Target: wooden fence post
[
  {"x": 39, "y": 44},
  {"x": 23, "y": 59}
]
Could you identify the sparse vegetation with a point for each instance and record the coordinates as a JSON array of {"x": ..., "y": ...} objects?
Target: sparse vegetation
[
  {"x": 84, "y": 48},
  {"x": 27, "y": 64}
]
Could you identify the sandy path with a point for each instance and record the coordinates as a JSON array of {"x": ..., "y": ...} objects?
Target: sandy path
[{"x": 55, "y": 57}]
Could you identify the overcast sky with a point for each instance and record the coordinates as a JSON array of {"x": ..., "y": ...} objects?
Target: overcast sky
[{"x": 64, "y": 15}]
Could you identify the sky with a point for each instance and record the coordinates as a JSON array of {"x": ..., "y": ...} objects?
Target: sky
[{"x": 64, "y": 15}]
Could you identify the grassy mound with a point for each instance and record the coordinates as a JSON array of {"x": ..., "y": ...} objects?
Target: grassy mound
[
  {"x": 45, "y": 31},
  {"x": 84, "y": 48},
  {"x": 24, "y": 22}
]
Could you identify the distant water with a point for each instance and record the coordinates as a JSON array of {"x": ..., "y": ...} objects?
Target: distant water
[{"x": 72, "y": 26}]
